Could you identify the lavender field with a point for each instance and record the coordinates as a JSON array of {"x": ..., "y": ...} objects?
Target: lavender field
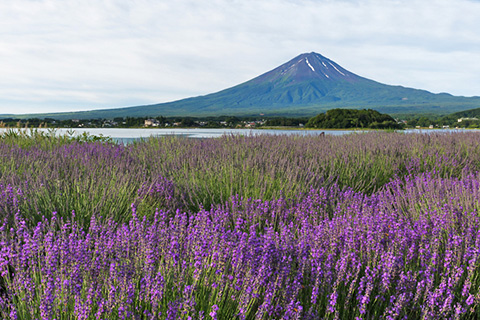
[{"x": 365, "y": 226}]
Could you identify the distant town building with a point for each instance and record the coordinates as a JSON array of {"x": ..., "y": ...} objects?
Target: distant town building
[
  {"x": 469, "y": 119},
  {"x": 151, "y": 123}
]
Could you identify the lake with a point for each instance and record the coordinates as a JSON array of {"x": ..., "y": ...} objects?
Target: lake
[{"x": 131, "y": 134}]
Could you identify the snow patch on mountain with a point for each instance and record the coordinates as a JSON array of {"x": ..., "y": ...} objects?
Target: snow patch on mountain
[
  {"x": 308, "y": 63},
  {"x": 343, "y": 74}
]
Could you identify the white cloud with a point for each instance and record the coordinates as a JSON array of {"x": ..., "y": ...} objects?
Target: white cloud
[{"x": 62, "y": 55}]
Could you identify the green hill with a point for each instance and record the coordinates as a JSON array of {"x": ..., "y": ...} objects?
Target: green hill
[{"x": 351, "y": 118}]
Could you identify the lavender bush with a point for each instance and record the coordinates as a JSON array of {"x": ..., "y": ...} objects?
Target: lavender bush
[
  {"x": 366, "y": 226},
  {"x": 320, "y": 257},
  {"x": 104, "y": 179}
]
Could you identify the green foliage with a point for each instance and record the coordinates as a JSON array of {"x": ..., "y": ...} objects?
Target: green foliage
[
  {"x": 285, "y": 122},
  {"x": 470, "y": 119},
  {"x": 31, "y": 137},
  {"x": 351, "y": 118}
]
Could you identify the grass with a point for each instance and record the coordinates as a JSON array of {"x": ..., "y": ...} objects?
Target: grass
[
  {"x": 98, "y": 177},
  {"x": 370, "y": 225}
]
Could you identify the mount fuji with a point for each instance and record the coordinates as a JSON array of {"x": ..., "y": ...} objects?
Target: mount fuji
[{"x": 304, "y": 86}]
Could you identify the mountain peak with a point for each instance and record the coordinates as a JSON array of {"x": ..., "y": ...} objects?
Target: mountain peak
[
  {"x": 309, "y": 66},
  {"x": 311, "y": 54}
]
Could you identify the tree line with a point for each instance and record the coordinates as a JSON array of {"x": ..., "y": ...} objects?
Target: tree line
[
  {"x": 332, "y": 119},
  {"x": 353, "y": 118}
]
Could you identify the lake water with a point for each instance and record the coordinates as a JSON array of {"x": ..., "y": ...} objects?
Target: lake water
[{"x": 129, "y": 135}]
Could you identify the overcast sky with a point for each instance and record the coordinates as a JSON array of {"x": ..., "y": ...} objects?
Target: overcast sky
[{"x": 68, "y": 55}]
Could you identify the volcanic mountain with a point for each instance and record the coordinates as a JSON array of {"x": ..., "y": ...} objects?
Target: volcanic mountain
[{"x": 304, "y": 86}]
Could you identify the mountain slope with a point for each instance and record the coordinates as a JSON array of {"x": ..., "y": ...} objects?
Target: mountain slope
[
  {"x": 468, "y": 114},
  {"x": 471, "y": 113},
  {"x": 304, "y": 86},
  {"x": 309, "y": 84}
]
